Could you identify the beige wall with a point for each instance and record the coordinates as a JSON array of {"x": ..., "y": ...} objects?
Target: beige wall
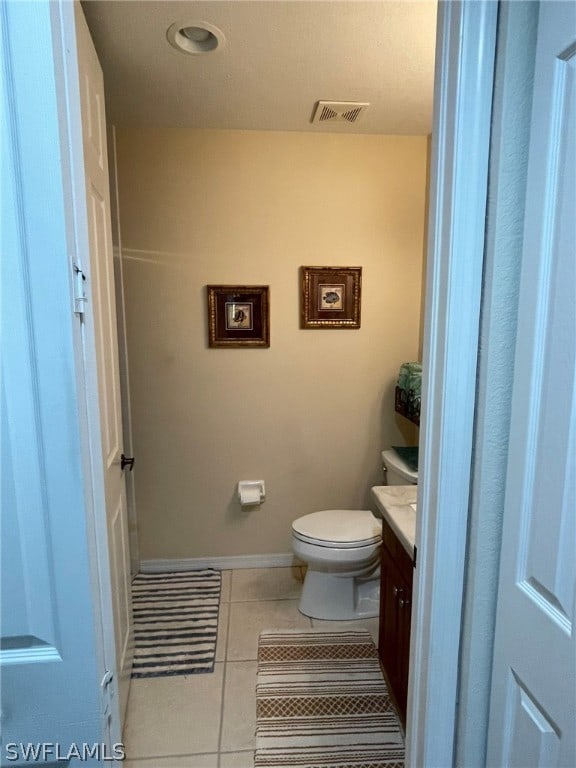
[{"x": 310, "y": 414}]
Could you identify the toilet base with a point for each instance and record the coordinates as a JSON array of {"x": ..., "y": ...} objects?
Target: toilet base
[{"x": 333, "y": 597}]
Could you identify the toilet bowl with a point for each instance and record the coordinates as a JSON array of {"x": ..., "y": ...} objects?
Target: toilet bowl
[{"x": 342, "y": 550}]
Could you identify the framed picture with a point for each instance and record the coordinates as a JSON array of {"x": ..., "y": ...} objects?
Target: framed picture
[
  {"x": 331, "y": 297},
  {"x": 238, "y": 316}
]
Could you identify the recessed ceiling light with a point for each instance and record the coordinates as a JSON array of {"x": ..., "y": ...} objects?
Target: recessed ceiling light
[
  {"x": 195, "y": 37},
  {"x": 197, "y": 34}
]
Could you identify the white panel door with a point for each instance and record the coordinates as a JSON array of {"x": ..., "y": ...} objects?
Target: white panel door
[
  {"x": 50, "y": 666},
  {"x": 533, "y": 703},
  {"x": 102, "y": 296}
]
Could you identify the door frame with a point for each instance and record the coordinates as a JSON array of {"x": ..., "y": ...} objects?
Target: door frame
[
  {"x": 465, "y": 57},
  {"x": 465, "y": 61}
]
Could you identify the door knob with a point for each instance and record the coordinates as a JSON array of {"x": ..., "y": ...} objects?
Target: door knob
[
  {"x": 126, "y": 462},
  {"x": 397, "y": 591},
  {"x": 403, "y": 603}
]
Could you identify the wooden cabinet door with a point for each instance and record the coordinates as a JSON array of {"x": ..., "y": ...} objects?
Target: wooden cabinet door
[
  {"x": 395, "y": 615},
  {"x": 394, "y": 631},
  {"x": 404, "y": 614},
  {"x": 388, "y": 618}
]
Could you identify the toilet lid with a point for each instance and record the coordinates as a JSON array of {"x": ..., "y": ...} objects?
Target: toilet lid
[{"x": 339, "y": 527}]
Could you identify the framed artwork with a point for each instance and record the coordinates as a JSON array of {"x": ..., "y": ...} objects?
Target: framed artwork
[
  {"x": 331, "y": 297},
  {"x": 238, "y": 315}
]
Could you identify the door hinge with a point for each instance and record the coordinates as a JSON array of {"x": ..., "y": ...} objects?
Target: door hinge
[
  {"x": 80, "y": 297},
  {"x": 107, "y": 690}
]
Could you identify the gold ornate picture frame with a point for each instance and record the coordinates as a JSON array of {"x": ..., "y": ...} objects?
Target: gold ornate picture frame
[
  {"x": 238, "y": 315},
  {"x": 331, "y": 297}
]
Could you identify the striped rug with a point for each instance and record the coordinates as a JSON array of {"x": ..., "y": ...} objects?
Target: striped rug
[
  {"x": 321, "y": 702},
  {"x": 175, "y": 622}
]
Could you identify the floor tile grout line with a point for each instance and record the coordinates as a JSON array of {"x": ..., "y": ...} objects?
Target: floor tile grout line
[
  {"x": 223, "y": 689},
  {"x": 221, "y": 728},
  {"x": 266, "y": 600},
  {"x": 228, "y": 601},
  {"x": 224, "y": 660}
]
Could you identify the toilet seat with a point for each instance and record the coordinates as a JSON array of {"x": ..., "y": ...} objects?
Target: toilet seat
[{"x": 338, "y": 528}]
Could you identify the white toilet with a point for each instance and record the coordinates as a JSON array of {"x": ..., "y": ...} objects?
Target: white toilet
[
  {"x": 396, "y": 471},
  {"x": 342, "y": 550}
]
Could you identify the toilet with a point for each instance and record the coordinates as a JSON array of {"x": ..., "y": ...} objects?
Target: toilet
[
  {"x": 341, "y": 548},
  {"x": 396, "y": 471}
]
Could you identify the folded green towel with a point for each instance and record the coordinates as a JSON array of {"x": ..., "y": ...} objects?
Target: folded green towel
[{"x": 410, "y": 377}]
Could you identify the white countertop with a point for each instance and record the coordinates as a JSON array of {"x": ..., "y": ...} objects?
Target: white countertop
[{"x": 394, "y": 502}]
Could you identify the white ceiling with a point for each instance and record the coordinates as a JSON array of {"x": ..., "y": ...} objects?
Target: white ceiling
[{"x": 280, "y": 57}]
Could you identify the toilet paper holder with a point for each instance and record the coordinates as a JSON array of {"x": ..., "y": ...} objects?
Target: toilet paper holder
[{"x": 251, "y": 491}]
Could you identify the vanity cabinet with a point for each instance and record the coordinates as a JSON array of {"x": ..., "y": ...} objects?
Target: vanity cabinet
[{"x": 395, "y": 614}]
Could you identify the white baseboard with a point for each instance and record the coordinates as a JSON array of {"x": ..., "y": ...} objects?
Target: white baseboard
[{"x": 231, "y": 562}]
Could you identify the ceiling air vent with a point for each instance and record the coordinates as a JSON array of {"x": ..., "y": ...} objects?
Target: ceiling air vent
[{"x": 339, "y": 111}]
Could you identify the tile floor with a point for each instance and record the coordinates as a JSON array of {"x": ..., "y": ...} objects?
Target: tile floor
[{"x": 208, "y": 721}]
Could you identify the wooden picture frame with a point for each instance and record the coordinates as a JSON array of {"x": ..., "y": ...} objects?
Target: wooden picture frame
[
  {"x": 238, "y": 315},
  {"x": 331, "y": 297}
]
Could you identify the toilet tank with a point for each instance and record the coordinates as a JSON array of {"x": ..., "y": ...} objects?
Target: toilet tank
[{"x": 396, "y": 471}]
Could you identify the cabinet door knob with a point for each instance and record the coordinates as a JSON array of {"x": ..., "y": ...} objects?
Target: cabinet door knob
[
  {"x": 397, "y": 591},
  {"x": 403, "y": 603}
]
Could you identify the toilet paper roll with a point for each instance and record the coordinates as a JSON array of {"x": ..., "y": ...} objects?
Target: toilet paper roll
[{"x": 249, "y": 495}]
